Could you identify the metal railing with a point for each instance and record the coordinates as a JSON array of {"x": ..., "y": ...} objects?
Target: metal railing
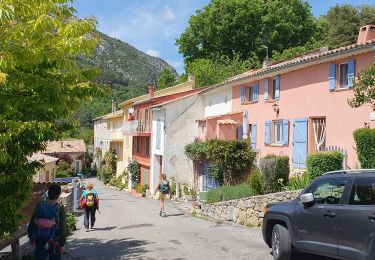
[{"x": 136, "y": 126}]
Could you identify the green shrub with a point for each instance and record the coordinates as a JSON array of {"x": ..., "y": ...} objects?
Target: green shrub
[
  {"x": 186, "y": 190},
  {"x": 275, "y": 172},
  {"x": 229, "y": 161},
  {"x": 62, "y": 175},
  {"x": 63, "y": 169},
  {"x": 365, "y": 142},
  {"x": 138, "y": 188},
  {"x": 144, "y": 190},
  {"x": 103, "y": 175},
  {"x": 226, "y": 192},
  {"x": 298, "y": 182},
  {"x": 173, "y": 186},
  {"x": 70, "y": 222},
  {"x": 322, "y": 162},
  {"x": 255, "y": 182},
  {"x": 134, "y": 171}
]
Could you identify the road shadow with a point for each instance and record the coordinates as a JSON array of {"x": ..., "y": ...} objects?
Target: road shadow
[
  {"x": 305, "y": 256},
  {"x": 174, "y": 215},
  {"x": 93, "y": 248},
  {"x": 136, "y": 226},
  {"x": 104, "y": 228}
]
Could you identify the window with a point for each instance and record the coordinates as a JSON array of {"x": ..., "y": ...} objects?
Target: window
[
  {"x": 343, "y": 70},
  {"x": 137, "y": 144},
  {"x": 251, "y": 94},
  {"x": 329, "y": 191},
  {"x": 146, "y": 145},
  {"x": 277, "y": 132},
  {"x": 273, "y": 90},
  {"x": 363, "y": 192}
]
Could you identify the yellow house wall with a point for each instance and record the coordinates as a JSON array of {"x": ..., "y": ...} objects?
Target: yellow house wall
[{"x": 46, "y": 174}]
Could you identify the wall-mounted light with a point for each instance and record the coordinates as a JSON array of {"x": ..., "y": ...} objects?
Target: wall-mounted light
[{"x": 276, "y": 108}]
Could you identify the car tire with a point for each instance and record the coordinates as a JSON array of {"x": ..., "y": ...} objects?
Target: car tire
[{"x": 281, "y": 243}]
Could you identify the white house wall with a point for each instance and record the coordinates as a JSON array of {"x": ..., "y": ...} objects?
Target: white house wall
[
  {"x": 181, "y": 129},
  {"x": 218, "y": 102}
]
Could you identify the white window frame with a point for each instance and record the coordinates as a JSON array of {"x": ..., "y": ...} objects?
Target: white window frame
[
  {"x": 274, "y": 132},
  {"x": 346, "y": 76}
]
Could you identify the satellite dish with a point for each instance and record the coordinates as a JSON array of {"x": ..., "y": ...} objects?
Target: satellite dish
[{"x": 131, "y": 110}]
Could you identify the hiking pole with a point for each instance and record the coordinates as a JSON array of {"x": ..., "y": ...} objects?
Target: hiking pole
[{"x": 98, "y": 211}]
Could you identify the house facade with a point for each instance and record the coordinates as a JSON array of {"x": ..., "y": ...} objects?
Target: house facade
[
  {"x": 48, "y": 172},
  {"x": 301, "y": 105}
]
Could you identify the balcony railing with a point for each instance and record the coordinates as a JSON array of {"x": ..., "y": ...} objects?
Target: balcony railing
[{"x": 136, "y": 126}]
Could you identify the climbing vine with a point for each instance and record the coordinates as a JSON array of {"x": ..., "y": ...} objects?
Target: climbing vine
[{"x": 134, "y": 171}]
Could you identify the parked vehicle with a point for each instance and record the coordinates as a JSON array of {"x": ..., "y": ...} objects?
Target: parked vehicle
[{"x": 334, "y": 216}]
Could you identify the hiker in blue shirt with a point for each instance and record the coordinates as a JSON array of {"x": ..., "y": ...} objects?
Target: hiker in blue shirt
[
  {"x": 90, "y": 203},
  {"x": 47, "y": 228}
]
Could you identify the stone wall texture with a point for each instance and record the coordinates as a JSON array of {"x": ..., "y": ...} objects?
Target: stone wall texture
[{"x": 245, "y": 211}]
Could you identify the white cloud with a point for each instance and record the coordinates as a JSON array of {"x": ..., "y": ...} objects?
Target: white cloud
[
  {"x": 152, "y": 53},
  {"x": 168, "y": 13}
]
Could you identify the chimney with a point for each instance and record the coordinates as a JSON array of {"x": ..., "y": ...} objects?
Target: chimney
[
  {"x": 266, "y": 62},
  {"x": 366, "y": 33},
  {"x": 151, "y": 89},
  {"x": 113, "y": 106}
]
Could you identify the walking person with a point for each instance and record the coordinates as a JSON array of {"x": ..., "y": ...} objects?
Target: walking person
[
  {"x": 164, "y": 189},
  {"x": 47, "y": 228},
  {"x": 90, "y": 203}
]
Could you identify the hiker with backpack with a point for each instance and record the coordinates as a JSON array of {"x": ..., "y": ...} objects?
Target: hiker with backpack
[
  {"x": 90, "y": 203},
  {"x": 47, "y": 228},
  {"x": 164, "y": 189}
]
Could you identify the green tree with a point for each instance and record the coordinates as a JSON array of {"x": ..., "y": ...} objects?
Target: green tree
[
  {"x": 40, "y": 43},
  {"x": 244, "y": 28},
  {"x": 166, "y": 79},
  {"x": 212, "y": 71},
  {"x": 364, "y": 88}
]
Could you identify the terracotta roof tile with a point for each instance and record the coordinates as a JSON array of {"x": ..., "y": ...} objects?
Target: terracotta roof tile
[
  {"x": 42, "y": 157},
  {"x": 66, "y": 146}
]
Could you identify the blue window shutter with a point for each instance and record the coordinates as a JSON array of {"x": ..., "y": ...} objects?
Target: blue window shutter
[
  {"x": 277, "y": 90},
  {"x": 158, "y": 134},
  {"x": 256, "y": 92},
  {"x": 267, "y": 135},
  {"x": 242, "y": 98},
  {"x": 285, "y": 132},
  {"x": 240, "y": 132},
  {"x": 332, "y": 77},
  {"x": 351, "y": 73},
  {"x": 253, "y": 136},
  {"x": 266, "y": 89}
]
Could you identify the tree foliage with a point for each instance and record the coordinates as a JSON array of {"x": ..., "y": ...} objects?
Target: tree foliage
[
  {"x": 365, "y": 144},
  {"x": 40, "y": 42},
  {"x": 364, "y": 88},
  {"x": 166, "y": 79},
  {"x": 241, "y": 27}
]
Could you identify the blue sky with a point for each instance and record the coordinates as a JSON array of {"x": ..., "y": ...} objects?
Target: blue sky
[{"x": 153, "y": 25}]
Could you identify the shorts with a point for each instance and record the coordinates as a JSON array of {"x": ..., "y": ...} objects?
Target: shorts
[{"x": 162, "y": 196}]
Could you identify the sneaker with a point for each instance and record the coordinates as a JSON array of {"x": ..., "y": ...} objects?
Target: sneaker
[
  {"x": 160, "y": 213},
  {"x": 163, "y": 214},
  {"x": 92, "y": 226},
  {"x": 87, "y": 230}
]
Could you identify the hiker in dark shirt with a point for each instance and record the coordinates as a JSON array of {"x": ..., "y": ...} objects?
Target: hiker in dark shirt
[{"x": 47, "y": 227}]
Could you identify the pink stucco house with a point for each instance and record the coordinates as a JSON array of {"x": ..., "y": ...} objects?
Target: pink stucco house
[{"x": 300, "y": 105}]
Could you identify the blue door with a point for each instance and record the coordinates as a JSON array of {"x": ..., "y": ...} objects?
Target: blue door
[
  {"x": 209, "y": 182},
  {"x": 299, "y": 143}
]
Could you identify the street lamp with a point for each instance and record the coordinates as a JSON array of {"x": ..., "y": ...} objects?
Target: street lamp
[{"x": 276, "y": 108}]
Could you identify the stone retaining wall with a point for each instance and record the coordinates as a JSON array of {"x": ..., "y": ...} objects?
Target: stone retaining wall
[{"x": 246, "y": 211}]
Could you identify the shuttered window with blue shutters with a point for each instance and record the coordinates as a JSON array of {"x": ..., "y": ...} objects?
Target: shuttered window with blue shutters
[
  {"x": 256, "y": 92},
  {"x": 277, "y": 87},
  {"x": 267, "y": 133},
  {"x": 242, "y": 95},
  {"x": 253, "y": 136},
  {"x": 351, "y": 73},
  {"x": 266, "y": 89},
  {"x": 285, "y": 132},
  {"x": 332, "y": 77}
]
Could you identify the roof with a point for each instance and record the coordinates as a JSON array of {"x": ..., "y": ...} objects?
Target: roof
[
  {"x": 226, "y": 122},
  {"x": 217, "y": 116},
  {"x": 303, "y": 60},
  {"x": 66, "y": 146},
  {"x": 189, "y": 85},
  {"x": 118, "y": 113},
  {"x": 42, "y": 157}
]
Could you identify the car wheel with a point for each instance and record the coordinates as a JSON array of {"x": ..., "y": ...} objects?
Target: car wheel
[{"x": 281, "y": 243}]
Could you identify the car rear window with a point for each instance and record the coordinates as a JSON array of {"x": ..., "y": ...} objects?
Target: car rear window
[{"x": 363, "y": 192}]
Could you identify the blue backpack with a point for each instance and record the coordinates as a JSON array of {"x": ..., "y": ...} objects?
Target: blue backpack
[{"x": 46, "y": 221}]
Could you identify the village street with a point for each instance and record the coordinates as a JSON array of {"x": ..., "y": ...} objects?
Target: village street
[{"x": 130, "y": 228}]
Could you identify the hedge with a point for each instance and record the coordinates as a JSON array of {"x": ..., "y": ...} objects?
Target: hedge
[
  {"x": 365, "y": 141},
  {"x": 322, "y": 162},
  {"x": 227, "y": 192},
  {"x": 275, "y": 172}
]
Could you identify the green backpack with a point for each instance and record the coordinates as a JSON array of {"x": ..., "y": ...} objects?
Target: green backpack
[{"x": 164, "y": 187}]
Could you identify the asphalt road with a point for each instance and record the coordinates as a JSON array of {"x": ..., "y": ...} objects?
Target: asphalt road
[{"x": 131, "y": 228}]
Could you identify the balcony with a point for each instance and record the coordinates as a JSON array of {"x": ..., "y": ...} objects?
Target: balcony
[{"x": 135, "y": 127}]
